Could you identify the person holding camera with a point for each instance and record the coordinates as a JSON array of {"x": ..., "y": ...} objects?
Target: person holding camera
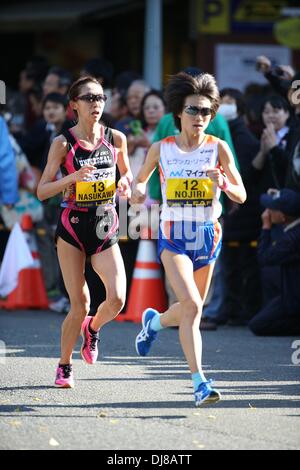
[{"x": 285, "y": 81}]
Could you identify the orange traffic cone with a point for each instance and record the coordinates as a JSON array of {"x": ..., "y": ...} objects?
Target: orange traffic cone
[
  {"x": 30, "y": 291},
  {"x": 147, "y": 287}
]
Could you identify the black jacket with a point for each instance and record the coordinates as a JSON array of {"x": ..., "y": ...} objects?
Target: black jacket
[
  {"x": 243, "y": 222},
  {"x": 281, "y": 159},
  {"x": 286, "y": 253}
]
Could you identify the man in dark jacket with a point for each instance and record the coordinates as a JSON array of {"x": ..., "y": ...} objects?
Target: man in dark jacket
[
  {"x": 281, "y": 317},
  {"x": 240, "y": 269}
]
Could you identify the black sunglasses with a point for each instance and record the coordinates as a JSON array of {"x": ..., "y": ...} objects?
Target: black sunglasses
[
  {"x": 90, "y": 98},
  {"x": 195, "y": 110}
]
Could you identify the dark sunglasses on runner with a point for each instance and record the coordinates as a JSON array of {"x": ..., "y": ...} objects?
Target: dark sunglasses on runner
[
  {"x": 90, "y": 98},
  {"x": 195, "y": 110}
]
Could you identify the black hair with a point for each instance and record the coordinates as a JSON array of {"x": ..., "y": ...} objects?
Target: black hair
[
  {"x": 121, "y": 94},
  {"x": 124, "y": 79},
  {"x": 56, "y": 98},
  {"x": 238, "y": 96},
  {"x": 36, "y": 91},
  {"x": 64, "y": 76},
  {"x": 36, "y": 68},
  {"x": 183, "y": 84},
  {"x": 277, "y": 102}
]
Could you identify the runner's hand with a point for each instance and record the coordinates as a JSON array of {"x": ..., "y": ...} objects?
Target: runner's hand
[
  {"x": 216, "y": 175},
  {"x": 138, "y": 194},
  {"x": 263, "y": 64},
  {"x": 124, "y": 188},
  {"x": 84, "y": 174}
]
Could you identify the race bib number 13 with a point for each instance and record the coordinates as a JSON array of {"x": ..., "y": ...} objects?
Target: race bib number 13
[{"x": 97, "y": 192}]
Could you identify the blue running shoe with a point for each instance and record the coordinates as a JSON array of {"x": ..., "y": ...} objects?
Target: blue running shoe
[
  {"x": 205, "y": 394},
  {"x": 146, "y": 336}
]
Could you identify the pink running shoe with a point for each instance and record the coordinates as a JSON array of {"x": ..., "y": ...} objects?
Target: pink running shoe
[
  {"x": 64, "y": 376},
  {"x": 89, "y": 348}
]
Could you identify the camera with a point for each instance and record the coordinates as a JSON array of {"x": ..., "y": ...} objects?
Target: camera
[{"x": 279, "y": 71}]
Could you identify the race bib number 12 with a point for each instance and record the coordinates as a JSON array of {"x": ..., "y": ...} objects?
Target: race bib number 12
[{"x": 193, "y": 192}]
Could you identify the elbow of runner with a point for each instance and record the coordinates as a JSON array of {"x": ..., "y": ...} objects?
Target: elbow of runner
[
  {"x": 242, "y": 197},
  {"x": 40, "y": 193}
]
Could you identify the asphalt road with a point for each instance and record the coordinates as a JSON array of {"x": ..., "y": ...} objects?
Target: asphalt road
[{"x": 127, "y": 402}]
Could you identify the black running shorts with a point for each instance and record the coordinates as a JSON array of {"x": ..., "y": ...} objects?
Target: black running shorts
[{"x": 87, "y": 231}]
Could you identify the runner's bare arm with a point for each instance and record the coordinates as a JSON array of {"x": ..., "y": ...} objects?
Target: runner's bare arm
[
  {"x": 122, "y": 154},
  {"x": 47, "y": 186},
  {"x": 126, "y": 178},
  {"x": 232, "y": 185},
  {"x": 151, "y": 162}
]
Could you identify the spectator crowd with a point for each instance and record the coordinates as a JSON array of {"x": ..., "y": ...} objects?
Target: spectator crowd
[{"x": 257, "y": 276}]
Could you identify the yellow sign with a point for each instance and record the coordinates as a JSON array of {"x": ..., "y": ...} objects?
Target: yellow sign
[
  {"x": 97, "y": 192},
  {"x": 194, "y": 192},
  {"x": 258, "y": 10},
  {"x": 287, "y": 32},
  {"x": 213, "y": 16}
]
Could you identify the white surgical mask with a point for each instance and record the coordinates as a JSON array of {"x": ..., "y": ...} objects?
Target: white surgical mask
[{"x": 228, "y": 111}]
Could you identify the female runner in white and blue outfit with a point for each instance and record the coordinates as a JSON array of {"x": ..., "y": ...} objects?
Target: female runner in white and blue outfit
[{"x": 194, "y": 169}]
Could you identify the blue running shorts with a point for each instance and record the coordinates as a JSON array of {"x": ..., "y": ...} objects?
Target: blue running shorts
[{"x": 200, "y": 241}]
